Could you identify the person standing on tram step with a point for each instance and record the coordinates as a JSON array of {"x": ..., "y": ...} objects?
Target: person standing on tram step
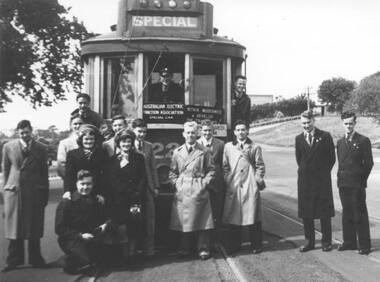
[
  {"x": 191, "y": 173},
  {"x": 89, "y": 156},
  {"x": 216, "y": 190},
  {"x": 241, "y": 104},
  {"x": 315, "y": 156},
  {"x": 80, "y": 223},
  {"x": 244, "y": 170},
  {"x": 127, "y": 184},
  {"x": 68, "y": 144},
  {"x": 166, "y": 90},
  {"x": 355, "y": 164},
  {"x": 88, "y": 116},
  {"x": 26, "y": 194},
  {"x": 146, "y": 148},
  {"x": 118, "y": 123}
]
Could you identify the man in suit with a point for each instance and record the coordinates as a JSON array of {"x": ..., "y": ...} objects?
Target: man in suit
[
  {"x": 166, "y": 90},
  {"x": 26, "y": 191},
  {"x": 355, "y": 164},
  {"x": 118, "y": 123},
  {"x": 88, "y": 116},
  {"x": 315, "y": 155},
  {"x": 146, "y": 148},
  {"x": 241, "y": 104},
  {"x": 216, "y": 148}
]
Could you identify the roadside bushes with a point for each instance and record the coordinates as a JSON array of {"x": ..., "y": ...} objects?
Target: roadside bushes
[{"x": 289, "y": 107}]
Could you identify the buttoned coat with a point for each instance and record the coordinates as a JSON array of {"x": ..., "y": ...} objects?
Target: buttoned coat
[
  {"x": 150, "y": 166},
  {"x": 315, "y": 198},
  {"x": 355, "y": 161},
  {"x": 26, "y": 190},
  {"x": 241, "y": 167},
  {"x": 65, "y": 145},
  {"x": 191, "y": 173}
]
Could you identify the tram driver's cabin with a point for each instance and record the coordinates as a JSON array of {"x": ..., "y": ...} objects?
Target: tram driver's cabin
[{"x": 159, "y": 42}]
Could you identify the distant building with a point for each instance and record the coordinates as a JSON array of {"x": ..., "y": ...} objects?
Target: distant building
[{"x": 261, "y": 99}]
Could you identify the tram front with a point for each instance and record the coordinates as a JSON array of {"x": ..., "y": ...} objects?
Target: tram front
[{"x": 154, "y": 41}]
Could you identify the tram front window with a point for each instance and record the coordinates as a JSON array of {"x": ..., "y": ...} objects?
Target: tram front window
[
  {"x": 166, "y": 85},
  {"x": 208, "y": 83}
]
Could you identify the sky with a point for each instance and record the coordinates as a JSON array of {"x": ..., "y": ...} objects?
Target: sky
[{"x": 291, "y": 45}]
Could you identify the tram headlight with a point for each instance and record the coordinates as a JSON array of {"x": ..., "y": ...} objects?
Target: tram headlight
[
  {"x": 187, "y": 4},
  {"x": 144, "y": 3},
  {"x": 172, "y": 4},
  {"x": 157, "y": 4}
]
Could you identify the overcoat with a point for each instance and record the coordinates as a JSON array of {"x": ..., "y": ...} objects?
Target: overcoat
[
  {"x": 355, "y": 161},
  {"x": 150, "y": 166},
  {"x": 65, "y": 145},
  {"x": 191, "y": 174},
  {"x": 242, "y": 205},
  {"x": 315, "y": 198},
  {"x": 96, "y": 164},
  {"x": 26, "y": 190}
]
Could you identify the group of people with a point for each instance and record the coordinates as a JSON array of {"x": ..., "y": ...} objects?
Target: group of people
[{"x": 110, "y": 189}]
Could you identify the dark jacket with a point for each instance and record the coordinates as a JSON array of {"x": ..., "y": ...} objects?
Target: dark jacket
[
  {"x": 242, "y": 109},
  {"x": 81, "y": 214},
  {"x": 174, "y": 94},
  {"x": 127, "y": 185},
  {"x": 355, "y": 161},
  {"x": 90, "y": 117},
  {"x": 315, "y": 199},
  {"x": 76, "y": 161}
]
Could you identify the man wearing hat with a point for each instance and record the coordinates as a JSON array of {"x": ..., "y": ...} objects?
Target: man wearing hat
[
  {"x": 166, "y": 90},
  {"x": 88, "y": 116}
]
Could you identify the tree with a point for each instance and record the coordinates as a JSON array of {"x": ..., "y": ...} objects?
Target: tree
[
  {"x": 39, "y": 51},
  {"x": 366, "y": 97},
  {"x": 335, "y": 92}
]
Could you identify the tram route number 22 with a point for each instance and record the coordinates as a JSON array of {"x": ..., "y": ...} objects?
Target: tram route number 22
[{"x": 162, "y": 151}]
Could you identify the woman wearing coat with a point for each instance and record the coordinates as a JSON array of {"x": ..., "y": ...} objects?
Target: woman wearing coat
[
  {"x": 191, "y": 172},
  {"x": 89, "y": 156},
  {"x": 127, "y": 182},
  {"x": 243, "y": 169}
]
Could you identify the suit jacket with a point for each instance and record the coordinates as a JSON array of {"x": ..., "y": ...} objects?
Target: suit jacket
[
  {"x": 65, "y": 145},
  {"x": 76, "y": 161},
  {"x": 242, "y": 109},
  {"x": 216, "y": 149},
  {"x": 355, "y": 161},
  {"x": 150, "y": 166},
  {"x": 26, "y": 190},
  {"x": 315, "y": 198}
]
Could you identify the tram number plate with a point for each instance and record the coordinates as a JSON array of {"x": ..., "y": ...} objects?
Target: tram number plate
[{"x": 162, "y": 151}]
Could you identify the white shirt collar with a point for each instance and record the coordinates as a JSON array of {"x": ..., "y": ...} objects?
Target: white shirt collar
[
  {"x": 24, "y": 144},
  {"x": 206, "y": 142},
  {"x": 306, "y": 133}
]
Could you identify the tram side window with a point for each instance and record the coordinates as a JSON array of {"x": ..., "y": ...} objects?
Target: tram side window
[
  {"x": 166, "y": 79},
  {"x": 208, "y": 83},
  {"x": 120, "y": 87}
]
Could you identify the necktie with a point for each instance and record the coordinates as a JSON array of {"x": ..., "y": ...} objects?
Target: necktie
[
  {"x": 241, "y": 146},
  {"x": 348, "y": 139},
  {"x": 190, "y": 149},
  {"x": 140, "y": 146},
  {"x": 208, "y": 145},
  {"x": 309, "y": 138}
]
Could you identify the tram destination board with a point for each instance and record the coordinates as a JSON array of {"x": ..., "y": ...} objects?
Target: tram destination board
[{"x": 179, "y": 113}]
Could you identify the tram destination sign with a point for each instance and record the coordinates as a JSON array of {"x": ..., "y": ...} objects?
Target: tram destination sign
[
  {"x": 164, "y": 113},
  {"x": 165, "y": 21}
]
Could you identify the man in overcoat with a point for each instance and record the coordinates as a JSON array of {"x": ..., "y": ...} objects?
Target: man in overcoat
[
  {"x": 26, "y": 191},
  {"x": 152, "y": 191},
  {"x": 216, "y": 147},
  {"x": 191, "y": 172},
  {"x": 315, "y": 156},
  {"x": 244, "y": 170},
  {"x": 355, "y": 164}
]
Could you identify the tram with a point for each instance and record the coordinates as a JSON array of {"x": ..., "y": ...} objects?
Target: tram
[{"x": 121, "y": 66}]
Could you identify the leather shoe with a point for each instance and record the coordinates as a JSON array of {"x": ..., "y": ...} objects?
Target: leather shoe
[
  {"x": 364, "y": 251},
  {"x": 327, "y": 248},
  {"x": 204, "y": 255},
  {"x": 9, "y": 267},
  {"x": 345, "y": 247},
  {"x": 306, "y": 248}
]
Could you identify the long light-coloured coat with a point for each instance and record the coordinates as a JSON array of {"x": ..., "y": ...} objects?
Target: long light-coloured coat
[
  {"x": 65, "y": 145},
  {"x": 242, "y": 167},
  {"x": 26, "y": 190},
  {"x": 191, "y": 174}
]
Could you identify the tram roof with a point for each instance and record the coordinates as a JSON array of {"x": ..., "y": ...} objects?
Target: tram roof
[{"x": 111, "y": 43}]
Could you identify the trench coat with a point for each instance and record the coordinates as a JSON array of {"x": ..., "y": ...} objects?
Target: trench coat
[
  {"x": 241, "y": 169},
  {"x": 191, "y": 174},
  {"x": 26, "y": 190},
  {"x": 315, "y": 198}
]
